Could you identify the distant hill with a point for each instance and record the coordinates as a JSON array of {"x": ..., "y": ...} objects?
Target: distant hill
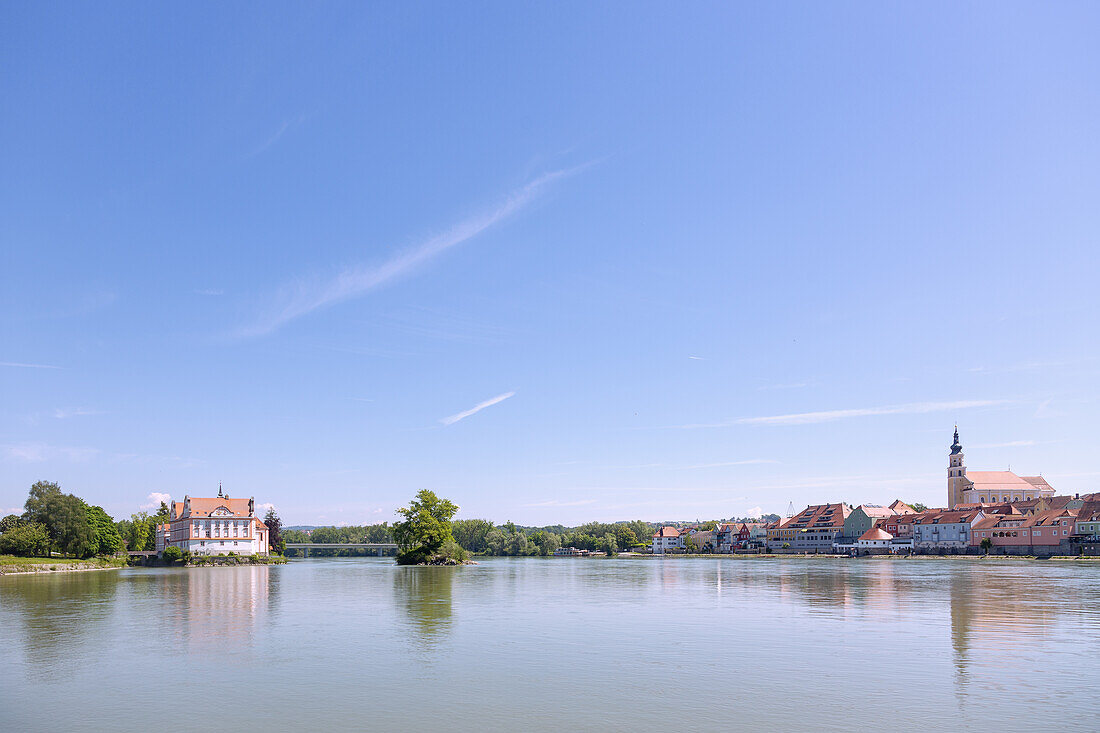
[{"x": 303, "y": 527}]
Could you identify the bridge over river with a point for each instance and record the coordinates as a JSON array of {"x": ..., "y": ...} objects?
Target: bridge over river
[{"x": 305, "y": 547}]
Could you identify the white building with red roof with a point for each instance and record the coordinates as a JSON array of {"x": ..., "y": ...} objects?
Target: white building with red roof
[
  {"x": 217, "y": 526},
  {"x": 667, "y": 538}
]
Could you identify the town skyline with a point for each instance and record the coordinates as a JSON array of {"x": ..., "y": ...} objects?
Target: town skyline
[{"x": 559, "y": 277}]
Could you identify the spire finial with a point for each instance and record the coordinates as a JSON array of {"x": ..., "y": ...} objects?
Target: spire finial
[
  {"x": 219, "y": 489},
  {"x": 956, "y": 447}
]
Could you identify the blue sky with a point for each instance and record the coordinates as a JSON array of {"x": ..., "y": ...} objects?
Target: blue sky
[{"x": 555, "y": 261}]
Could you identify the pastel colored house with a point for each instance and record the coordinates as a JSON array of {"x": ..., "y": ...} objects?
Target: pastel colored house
[
  {"x": 217, "y": 526},
  {"x": 862, "y": 519},
  {"x": 667, "y": 538},
  {"x": 1039, "y": 533},
  {"x": 944, "y": 531},
  {"x": 1088, "y": 521},
  {"x": 813, "y": 530},
  {"x": 875, "y": 541}
]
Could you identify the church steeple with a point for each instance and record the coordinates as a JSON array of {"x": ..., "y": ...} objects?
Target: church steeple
[{"x": 957, "y": 482}]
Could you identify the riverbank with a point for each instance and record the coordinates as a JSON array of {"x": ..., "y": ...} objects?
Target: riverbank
[
  {"x": 12, "y": 565},
  {"x": 823, "y": 556}
]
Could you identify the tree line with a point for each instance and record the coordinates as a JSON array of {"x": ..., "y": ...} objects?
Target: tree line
[
  {"x": 483, "y": 537},
  {"x": 55, "y": 521}
]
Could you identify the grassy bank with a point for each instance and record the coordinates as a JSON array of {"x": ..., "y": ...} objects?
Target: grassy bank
[{"x": 10, "y": 564}]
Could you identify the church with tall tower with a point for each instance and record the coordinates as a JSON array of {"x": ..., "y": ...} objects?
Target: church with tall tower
[{"x": 989, "y": 487}]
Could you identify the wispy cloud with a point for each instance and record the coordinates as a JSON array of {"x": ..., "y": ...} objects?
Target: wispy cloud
[
  {"x": 284, "y": 127},
  {"x": 1009, "y": 444},
  {"x": 754, "y": 512},
  {"x": 475, "y": 409},
  {"x": 810, "y": 418},
  {"x": 361, "y": 399},
  {"x": 154, "y": 500},
  {"x": 209, "y": 291},
  {"x": 748, "y": 462},
  {"x": 555, "y": 502},
  {"x": 64, "y": 414},
  {"x": 789, "y": 385},
  {"x": 306, "y": 296},
  {"x": 19, "y": 365},
  {"x": 40, "y": 452},
  {"x": 697, "y": 358}
]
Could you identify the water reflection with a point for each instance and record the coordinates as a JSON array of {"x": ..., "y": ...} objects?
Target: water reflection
[
  {"x": 50, "y": 616},
  {"x": 216, "y": 608},
  {"x": 426, "y": 594}
]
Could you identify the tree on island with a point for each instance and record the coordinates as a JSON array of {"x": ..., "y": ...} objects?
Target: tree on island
[{"x": 425, "y": 537}]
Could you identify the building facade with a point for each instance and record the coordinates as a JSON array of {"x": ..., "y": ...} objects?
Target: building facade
[
  {"x": 812, "y": 530},
  {"x": 945, "y": 531},
  {"x": 989, "y": 487},
  {"x": 217, "y": 526},
  {"x": 667, "y": 538}
]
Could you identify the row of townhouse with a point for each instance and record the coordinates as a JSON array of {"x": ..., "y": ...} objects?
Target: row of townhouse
[
  {"x": 726, "y": 537},
  {"x": 998, "y": 529},
  {"x": 1048, "y": 525}
]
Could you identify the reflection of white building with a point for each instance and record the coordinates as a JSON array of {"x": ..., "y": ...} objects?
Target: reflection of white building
[
  {"x": 217, "y": 526},
  {"x": 989, "y": 487}
]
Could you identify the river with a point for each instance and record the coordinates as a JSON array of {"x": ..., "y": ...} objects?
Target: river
[{"x": 556, "y": 644}]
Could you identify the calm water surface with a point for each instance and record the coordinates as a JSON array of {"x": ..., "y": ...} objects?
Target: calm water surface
[{"x": 555, "y": 644}]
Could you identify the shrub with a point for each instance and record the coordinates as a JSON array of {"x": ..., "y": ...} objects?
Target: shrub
[
  {"x": 173, "y": 554},
  {"x": 26, "y": 540}
]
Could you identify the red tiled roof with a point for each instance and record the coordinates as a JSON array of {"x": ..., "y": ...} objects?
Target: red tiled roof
[
  {"x": 667, "y": 532},
  {"x": 202, "y": 507},
  {"x": 874, "y": 533}
]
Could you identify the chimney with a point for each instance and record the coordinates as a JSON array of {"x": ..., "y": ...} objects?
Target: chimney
[
  {"x": 186, "y": 505},
  {"x": 252, "y": 506}
]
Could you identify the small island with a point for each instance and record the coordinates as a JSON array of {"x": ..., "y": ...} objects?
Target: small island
[{"x": 425, "y": 536}]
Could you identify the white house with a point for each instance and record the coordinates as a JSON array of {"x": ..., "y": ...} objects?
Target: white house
[
  {"x": 875, "y": 541},
  {"x": 217, "y": 526},
  {"x": 667, "y": 538}
]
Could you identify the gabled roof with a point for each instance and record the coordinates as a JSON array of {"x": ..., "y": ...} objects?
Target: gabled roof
[
  {"x": 947, "y": 517},
  {"x": 874, "y": 510},
  {"x": 901, "y": 507},
  {"x": 874, "y": 533},
  {"x": 1089, "y": 512},
  {"x": 1038, "y": 481},
  {"x": 202, "y": 507},
  {"x": 667, "y": 532}
]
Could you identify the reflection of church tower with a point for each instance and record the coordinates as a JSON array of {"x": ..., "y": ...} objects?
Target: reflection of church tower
[{"x": 956, "y": 474}]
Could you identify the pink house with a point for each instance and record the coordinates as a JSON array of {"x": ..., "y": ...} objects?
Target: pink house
[{"x": 1042, "y": 530}]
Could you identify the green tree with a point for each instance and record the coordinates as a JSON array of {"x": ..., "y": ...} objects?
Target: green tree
[
  {"x": 35, "y": 508},
  {"x": 163, "y": 515},
  {"x": 275, "y": 530},
  {"x": 9, "y": 522},
  {"x": 173, "y": 553},
  {"x": 547, "y": 542},
  {"x": 625, "y": 537},
  {"x": 918, "y": 507},
  {"x": 105, "y": 535},
  {"x": 610, "y": 545},
  {"x": 472, "y": 534},
  {"x": 28, "y": 539},
  {"x": 141, "y": 533},
  {"x": 987, "y": 544},
  {"x": 426, "y": 529},
  {"x": 69, "y": 526}
]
